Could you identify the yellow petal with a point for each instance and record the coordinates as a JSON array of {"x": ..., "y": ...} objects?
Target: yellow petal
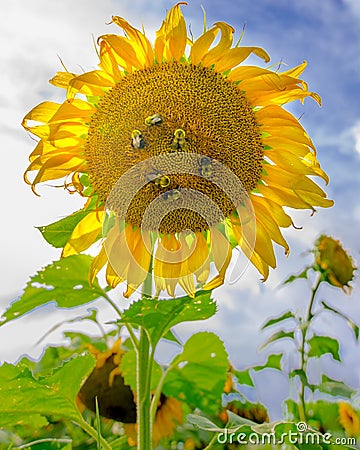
[
  {"x": 199, "y": 259},
  {"x": 167, "y": 264},
  {"x": 202, "y": 44},
  {"x": 62, "y": 79},
  {"x": 244, "y": 238},
  {"x": 224, "y": 44},
  {"x": 97, "y": 264},
  {"x": 235, "y": 56},
  {"x": 138, "y": 39},
  {"x": 121, "y": 51},
  {"x": 273, "y": 209},
  {"x": 56, "y": 168},
  {"x": 275, "y": 176},
  {"x": 140, "y": 261},
  {"x": 171, "y": 38},
  {"x": 264, "y": 217},
  {"x": 76, "y": 110},
  {"x": 112, "y": 278},
  {"x": 221, "y": 254},
  {"x": 119, "y": 249},
  {"x": 85, "y": 233},
  {"x": 90, "y": 83},
  {"x": 41, "y": 113}
]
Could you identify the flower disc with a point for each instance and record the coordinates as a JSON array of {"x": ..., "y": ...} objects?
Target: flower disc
[{"x": 212, "y": 117}]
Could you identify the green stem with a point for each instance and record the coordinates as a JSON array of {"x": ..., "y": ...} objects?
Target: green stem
[
  {"x": 212, "y": 442},
  {"x": 303, "y": 357},
  {"x": 133, "y": 338},
  {"x": 42, "y": 441},
  {"x": 143, "y": 392},
  {"x": 93, "y": 433},
  {"x": 157, "y": 394},
  {"x": 143, "y": 377}
]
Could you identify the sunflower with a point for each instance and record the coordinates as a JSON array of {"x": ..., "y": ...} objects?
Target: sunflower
[
  {"x": 116, "y": 400},
  {"x": 334, "y": 262},
  {"x": 349, "y": 419},
  {"x": 184, "y": 135}
]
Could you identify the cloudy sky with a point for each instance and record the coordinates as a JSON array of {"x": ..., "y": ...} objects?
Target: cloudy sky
[{"x": 35, "y": 34}]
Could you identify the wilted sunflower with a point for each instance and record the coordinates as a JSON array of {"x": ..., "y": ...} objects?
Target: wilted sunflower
[
  {"x": 116, "y": 400},
  {"x": 178, "y": 96},
  {"x": 334, "y": 262}
]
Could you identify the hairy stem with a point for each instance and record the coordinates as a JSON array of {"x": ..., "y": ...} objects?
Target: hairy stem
[
  {"x": 144, "y": 357},
  {"x": 303, "y": 356}
]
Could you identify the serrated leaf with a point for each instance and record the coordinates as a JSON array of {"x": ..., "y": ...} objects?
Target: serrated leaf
[
  {"x": 287, "y": 315},
  {"x": 64, "y": 282},
  {"x": 58, "y": 233},
  {"x": 335, "y": 387},
  {"x": 320, "y": 345},
  {"x": 244, "y": 377},
  {"x": 347, "y": 319},
  {"x": 277, "y": 336},
  {"x": 199, "y": 373},
  {"x": 21, "y": 393},
  {"x": 34, "y": 421},
  {"x": 128, "y": 371},
  {"x": 158, "y": 316},
  {"x": 272, "y": 362}
]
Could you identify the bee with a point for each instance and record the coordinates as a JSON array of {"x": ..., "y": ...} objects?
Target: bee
[
  {"x": 137, "y": 140},
  {"x": 155, "y": 119},
  {"x": 205, "y": 169},
  {"x": 171, "y": 196},
  {"x": 179, "y": 140},
  {"x": 160, "y": 180}
]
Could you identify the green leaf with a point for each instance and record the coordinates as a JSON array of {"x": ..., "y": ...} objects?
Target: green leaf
[
  {"x": 11, "y": 420},
  {"x": 320, "y": 345},
  {"x": 303, "y": 274},
  {"x": 199, "y": 373},
  {"x": 301, "y": 374},
  {"x": 244, "y": 377},
  {"x": 272, "y": 362},
  {"x": 21, "y": 393},
  {"x": 277, "y": 336},
  {"x": 58, "y": 233},
  {"x": 336, "y": 388},
  {"x": 349, "y": 321},
  {"x": 128, "y": 371},
  {"x": 158, "y": 316},
  {"x": 64, "y": 282},
  {"x": 203, "y": 423},
  {"x": 287, "y": 315}
]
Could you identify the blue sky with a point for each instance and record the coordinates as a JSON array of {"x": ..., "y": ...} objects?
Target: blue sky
[{"x": 325, "y": 33}]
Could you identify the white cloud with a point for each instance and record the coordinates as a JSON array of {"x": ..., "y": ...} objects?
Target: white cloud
[{"x": 355, "y": 131}]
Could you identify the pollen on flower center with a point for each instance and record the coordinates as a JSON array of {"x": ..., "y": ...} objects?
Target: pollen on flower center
[{"x": 174, "y": 107}]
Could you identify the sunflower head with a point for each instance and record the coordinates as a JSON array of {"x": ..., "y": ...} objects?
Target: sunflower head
[
  {"x": 255, "y": 412},
  {"x": 116, "y": 400},
  {"x": 186, "y": 151},
  {"x": 349, "y": 419},
  {"x": 334, "y": 262}
]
